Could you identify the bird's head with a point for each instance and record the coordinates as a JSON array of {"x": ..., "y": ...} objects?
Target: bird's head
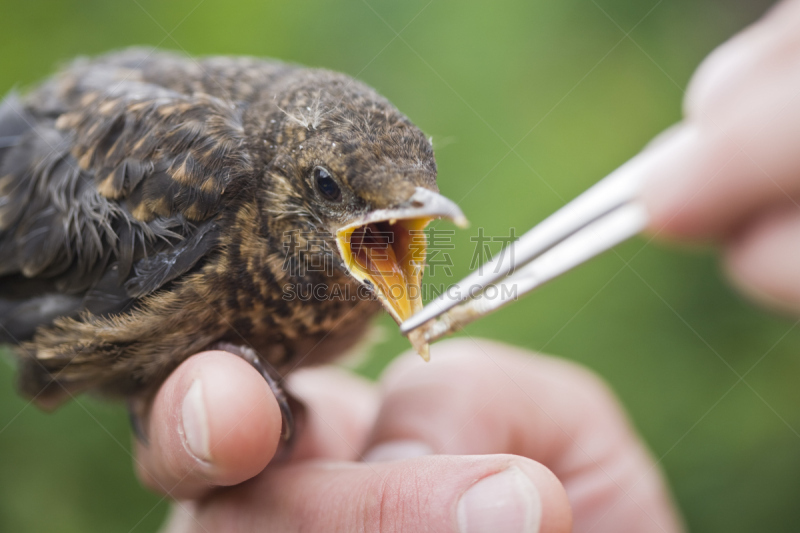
[{"x": 353, "y": 170}]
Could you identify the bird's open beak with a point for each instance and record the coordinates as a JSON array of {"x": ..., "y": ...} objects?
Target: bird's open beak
[{"x": 386, "y": 250}]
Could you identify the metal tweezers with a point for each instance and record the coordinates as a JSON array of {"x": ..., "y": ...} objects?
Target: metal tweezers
[{"x": 605, "y": 215}]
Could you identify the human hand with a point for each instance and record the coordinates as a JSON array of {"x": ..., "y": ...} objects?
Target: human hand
[
  {"x": 730, "y": 173},
  {"x": 468, "y": 442}
]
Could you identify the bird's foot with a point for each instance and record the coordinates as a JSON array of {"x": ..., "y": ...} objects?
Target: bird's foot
[
  {"x": 137, "y": 414},
  {"x": 292, "y": 409}
]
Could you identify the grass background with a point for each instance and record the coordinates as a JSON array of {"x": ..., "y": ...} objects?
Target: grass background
[{"x": 574, "y": 87}]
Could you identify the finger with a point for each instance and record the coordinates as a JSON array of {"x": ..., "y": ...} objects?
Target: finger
[
  {"x": 482, "y": 398},
  {"x": 340, "y": 411},
  {"x": 763, "y": 259},
  {"x": 444, "y": 494},
  {"x": 738, "y": 151},
  {"x": 214, "y": 422},
  {"x": 725, "y": 75}
]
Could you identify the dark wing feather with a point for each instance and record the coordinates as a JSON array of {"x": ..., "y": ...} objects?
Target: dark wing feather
[
  {"x": 154, "y": 272},
  {"x": 182, "y": 151},
  {"x": 108, "y": 191}
]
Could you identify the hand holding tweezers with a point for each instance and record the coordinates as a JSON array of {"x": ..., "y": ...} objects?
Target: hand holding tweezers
[{"x": 603, "y": 216}]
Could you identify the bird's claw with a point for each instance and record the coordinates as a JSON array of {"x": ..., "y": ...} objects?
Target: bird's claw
[
  {"x": 136, "y": 416},
  {"x": 292, "y": 409}
]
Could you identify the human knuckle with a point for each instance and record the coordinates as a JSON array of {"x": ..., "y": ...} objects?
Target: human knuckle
[
  {"x": 585, "y": 384},
  {"x": 395, "y": 504}
]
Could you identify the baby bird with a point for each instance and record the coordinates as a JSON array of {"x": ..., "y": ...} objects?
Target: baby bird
[{"x": 154, "y": 205}]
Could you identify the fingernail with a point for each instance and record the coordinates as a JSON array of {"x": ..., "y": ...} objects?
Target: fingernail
[
  {"x": 397, "y": 450},
  {"x": 195, "y": 422},
  {"x": 507, "y": 501}
]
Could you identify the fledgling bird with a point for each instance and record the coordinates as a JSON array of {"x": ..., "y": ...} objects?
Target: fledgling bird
[{"x": 153, "y": 205}]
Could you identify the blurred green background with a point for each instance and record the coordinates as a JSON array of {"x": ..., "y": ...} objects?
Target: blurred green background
[{"x": 574, "y": 87}]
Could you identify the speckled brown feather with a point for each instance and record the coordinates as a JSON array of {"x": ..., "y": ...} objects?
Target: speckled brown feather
[{"x": 145, "y": 199}]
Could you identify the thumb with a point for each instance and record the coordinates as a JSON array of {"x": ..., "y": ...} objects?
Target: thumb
[{"x": 463, "y": 494}]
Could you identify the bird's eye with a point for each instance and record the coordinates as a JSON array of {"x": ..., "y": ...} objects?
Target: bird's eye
[{"x": 326, "y": 185}]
